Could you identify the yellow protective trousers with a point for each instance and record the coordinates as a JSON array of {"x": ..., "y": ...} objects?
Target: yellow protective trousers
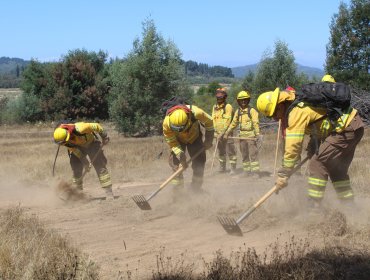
[
  {"x": 249, "y": 151},
  {"x": 226, "y": 146}
]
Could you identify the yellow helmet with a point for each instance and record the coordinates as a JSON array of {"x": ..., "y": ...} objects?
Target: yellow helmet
[
  {"x": 243, "y": 95},
  {"x": 328, "y": 78},
  {"x": 61, "y": 135},
  {"x": 178, "y": 120},
  {"x": 267, "y": 101}
]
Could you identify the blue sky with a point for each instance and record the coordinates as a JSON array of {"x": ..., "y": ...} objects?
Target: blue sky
[{"x": 228, "y": 33}]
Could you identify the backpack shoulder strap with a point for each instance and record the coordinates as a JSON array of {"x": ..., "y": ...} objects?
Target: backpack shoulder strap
[{"x": 180, "y": 106}]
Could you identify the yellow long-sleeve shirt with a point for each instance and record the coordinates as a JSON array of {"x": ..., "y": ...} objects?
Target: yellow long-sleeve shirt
[
  {"x": 300, "y": 122},
  {"x": 248, "y": 122},
  {"x": 174, "y": 138},
  {"x": 222, "y": 115},
  {"x": 83, "y": 136}
]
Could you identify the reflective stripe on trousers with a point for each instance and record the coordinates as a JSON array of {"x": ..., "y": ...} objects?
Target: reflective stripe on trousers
[{"x": 104, "y": 178}]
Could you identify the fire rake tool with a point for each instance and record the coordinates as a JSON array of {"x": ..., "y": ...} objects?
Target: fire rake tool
[
  {"x": 231, "y": 226},
  {"x": 143, "y": 202},
  {"x": 214, "y": 153}
]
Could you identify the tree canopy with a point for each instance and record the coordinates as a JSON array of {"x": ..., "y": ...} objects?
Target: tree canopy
[
  {"x": 151, "y": 73},
  {"x": 348, "y": 50}
]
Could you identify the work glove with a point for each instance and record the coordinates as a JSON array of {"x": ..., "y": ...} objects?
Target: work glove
[
  {"x": 182, "y": 159},
  {"x": 105, "y": 140},
  {"x": 220, "y": 137},
  {"x": 282, "y": 179},
  {"x": 208, "y": 139},
  {"x": 280, "y": 183}
]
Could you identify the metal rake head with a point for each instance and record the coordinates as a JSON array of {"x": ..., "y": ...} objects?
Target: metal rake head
[
  {"x": 141, "y": 201},
  {"x": 230, "y": 226}
]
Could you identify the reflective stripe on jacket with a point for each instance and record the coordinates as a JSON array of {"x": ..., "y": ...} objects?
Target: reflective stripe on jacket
[
  {"x": 221, "y": 115},
  {"x": 174, "y": 138},
  {"x": 248, "y": 122}
]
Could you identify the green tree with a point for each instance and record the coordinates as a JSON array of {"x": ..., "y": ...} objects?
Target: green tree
[
  {"x": 276, "y": 69},
  {"x": 348, "y": 50},
  {"x": 151, "y": 73},
  {"x": 74, "y": 88}
]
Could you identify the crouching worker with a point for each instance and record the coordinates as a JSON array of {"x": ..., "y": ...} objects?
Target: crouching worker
[
  {"x": 331, "y": 148},
  {"x": 181, "y": 131},
  {"x": 81, "y": 140}
]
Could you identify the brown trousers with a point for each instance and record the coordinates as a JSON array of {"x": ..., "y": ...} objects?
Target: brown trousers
[
  {"x": 226, "y": 146},
  {"x": 99, "y": 163},
  {"x": 249, "y": 151},
  {"x": 333, "y": 160}
]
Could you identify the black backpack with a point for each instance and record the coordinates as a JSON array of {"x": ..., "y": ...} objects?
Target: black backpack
[
  {"x": 173, "y": 103},
  {"x": 335, "y": 97}
]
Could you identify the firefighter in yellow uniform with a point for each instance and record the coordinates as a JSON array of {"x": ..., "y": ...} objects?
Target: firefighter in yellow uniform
[
  {"x": 81, "y": 140},
  {"x": 181, "y": 131},
  {"x": 222, "y": 114},
  {"x": 332, "y": 158},
  {"x": 246, "y": 118}
]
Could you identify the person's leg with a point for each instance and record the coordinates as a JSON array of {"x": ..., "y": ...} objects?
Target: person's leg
[
  {"x": 243, "y": 144},
  {"x": 178, "y": 181},
  {"x": 77, "y": 168},
  {"x": 100, "y": 166},
  {"x": 198, "y": 163},
  {"x": 222, "y": 154},
  {"x": 338, "y": 164},
  {"x": 231, "y": 152},
  {"x": 253, "y": 154}
]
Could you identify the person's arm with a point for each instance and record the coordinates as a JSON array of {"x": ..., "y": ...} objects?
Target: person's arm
[
  {"x": 298, "y": 121},
  {"x": 228, "y": 115},
  {"x": 233, "y": 123},
  {"x": 207, "y": 122},
  {"x": 170, "y": 137},
  {"x": 255, "y": 121}
]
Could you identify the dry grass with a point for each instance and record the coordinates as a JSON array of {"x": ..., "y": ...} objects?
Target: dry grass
[
  {"x": 294, "y": 259},
  {"x": 29, "y": 251}
]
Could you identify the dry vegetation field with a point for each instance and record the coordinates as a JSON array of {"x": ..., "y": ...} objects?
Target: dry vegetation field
[
  {"x": 117, "y": 240},
  {"x": 9, "y": 92}
]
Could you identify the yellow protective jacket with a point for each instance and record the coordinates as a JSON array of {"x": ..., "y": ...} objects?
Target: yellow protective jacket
[
  {"x": 174, "y": 138},
  {"x": 248, "y": 122},
  {"x": 222, "y": 115},
  {"x": 83, "y": 134},
  {"x": 309, "y": 120}
]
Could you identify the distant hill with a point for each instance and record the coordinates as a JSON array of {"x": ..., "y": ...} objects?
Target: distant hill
[
  {"x": 241, "y": 71},
  {"x": 9, "y": 65},
  {"x": 10, "y": 71}
]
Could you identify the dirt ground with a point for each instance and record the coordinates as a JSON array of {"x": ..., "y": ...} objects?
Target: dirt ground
[{"x": 120, "y": 237}]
